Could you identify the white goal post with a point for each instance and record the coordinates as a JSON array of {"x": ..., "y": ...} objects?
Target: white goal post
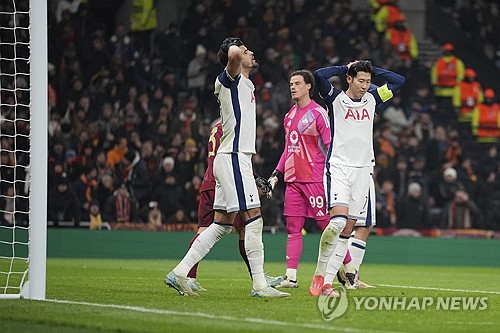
[{"x": 23, "y": 199}]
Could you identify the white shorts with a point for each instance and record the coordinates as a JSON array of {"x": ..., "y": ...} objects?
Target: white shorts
[
  {"x": 235, "y": 187},
  {"x": 369, "y": 220},
  {"x": 349, "y": 187}
]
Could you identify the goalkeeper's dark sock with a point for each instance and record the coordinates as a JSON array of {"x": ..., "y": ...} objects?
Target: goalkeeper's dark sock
[
  {"x": 194, "y": 269},
  {"x": 243, "y": 254}
]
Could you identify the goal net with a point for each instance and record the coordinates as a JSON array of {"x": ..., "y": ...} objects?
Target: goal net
[{"x": 23, "y": 148}]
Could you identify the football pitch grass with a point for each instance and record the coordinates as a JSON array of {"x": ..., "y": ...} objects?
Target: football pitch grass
[{"x": 108, "y": 295}]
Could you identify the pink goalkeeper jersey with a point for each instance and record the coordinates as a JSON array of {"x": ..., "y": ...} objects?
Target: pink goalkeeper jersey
[{"x": 307, "y": 138}]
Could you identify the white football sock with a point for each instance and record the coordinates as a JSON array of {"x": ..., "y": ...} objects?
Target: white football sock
[
  {"x": 349, "y": 267},
  {"x": 357, "y": 249},
  {"x": 328, "y": 242},
  {"x": 291, "y": 274},
  {"x": 201, "y": 246},
  {"x": 336, "y": 260},
  {"x": 255, "y": 251}
]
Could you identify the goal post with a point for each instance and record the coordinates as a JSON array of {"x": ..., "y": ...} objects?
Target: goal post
[
  {"x": 24, "y": 148},
  {"x": 39, "y": 150}
]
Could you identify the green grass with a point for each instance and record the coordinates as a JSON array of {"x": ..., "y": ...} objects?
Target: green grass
[{"x": 140, "y": 302}]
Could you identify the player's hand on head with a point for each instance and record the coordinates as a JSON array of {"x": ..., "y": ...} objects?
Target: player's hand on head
[
  {"x": 230, "y": 41},
  {"x": 351, "y": 63}
]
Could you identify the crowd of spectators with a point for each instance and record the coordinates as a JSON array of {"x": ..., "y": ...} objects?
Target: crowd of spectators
[
  {"x": 480, "y": 20},
  {"x": 130, "y": 121}
]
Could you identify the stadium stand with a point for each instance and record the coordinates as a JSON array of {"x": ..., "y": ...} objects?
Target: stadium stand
[{"x": 113, "y": 94}]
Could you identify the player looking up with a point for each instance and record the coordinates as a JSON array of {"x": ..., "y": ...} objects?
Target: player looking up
[{"x": 235, "y": 189}]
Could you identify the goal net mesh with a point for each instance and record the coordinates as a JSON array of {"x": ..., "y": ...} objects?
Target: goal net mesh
[{"x": 14, "y": 145}]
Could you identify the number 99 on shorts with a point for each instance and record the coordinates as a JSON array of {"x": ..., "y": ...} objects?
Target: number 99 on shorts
[{"x": 317, "y": 202}]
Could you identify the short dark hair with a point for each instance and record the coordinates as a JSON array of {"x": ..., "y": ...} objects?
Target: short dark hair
[
  {"x": 361, "y": 66},
  {"x": 224, "y": 48},
  {"x": 308, "y": 78}
]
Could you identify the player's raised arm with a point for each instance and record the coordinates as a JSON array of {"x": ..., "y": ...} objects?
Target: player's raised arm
[
  {"x": 230, "y": 55},
  {"x": 322, "y": 75},
  {"x": 234, "y": 56},
  {"x": 386, "y": 91}
]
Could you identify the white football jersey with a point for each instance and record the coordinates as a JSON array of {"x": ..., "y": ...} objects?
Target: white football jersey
[
  {"x": 237, "y": 108},
  {"x": 352, "y": 131}
]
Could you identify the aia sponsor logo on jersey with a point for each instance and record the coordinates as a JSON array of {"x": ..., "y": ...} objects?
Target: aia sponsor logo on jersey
[
  {"x": 358, "y": 115},
  {"x": 252, "y": 98}
]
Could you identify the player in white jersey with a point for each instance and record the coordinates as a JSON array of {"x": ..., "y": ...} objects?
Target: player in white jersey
[
  {"x": 350, "y": 158},
  {"x": 235, "y": 188},
  {"x": 349, "y": 275}
]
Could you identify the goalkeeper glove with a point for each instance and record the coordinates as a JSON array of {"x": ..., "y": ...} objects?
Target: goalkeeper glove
[
  {"x": 263, "y": 185},
  {"x": 273, "y": 180}
]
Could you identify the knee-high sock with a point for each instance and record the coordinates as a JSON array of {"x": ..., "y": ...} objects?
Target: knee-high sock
[
  {"x": 201, "y": 246},
  {"x": 293, "y": 251},
  {"x": 328, "y": 242},
  {"x": 357, "y": 249},
  {"x": 336, "y": 259},
  {"x": 255, "y": 251},
  {"x": 243, "y": 254},
  {"x": 194, "y": 269},
  {"x": 294, "y": 225}
]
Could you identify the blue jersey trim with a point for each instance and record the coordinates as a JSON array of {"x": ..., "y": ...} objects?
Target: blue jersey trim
[
  {"x": 237, "y": 115},
  {"x": 328, "y": 183},
  {"x": 329, "y": 107},
  {"x": 225, "y": 80}
]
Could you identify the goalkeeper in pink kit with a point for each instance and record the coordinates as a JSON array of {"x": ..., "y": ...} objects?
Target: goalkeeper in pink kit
[{"x": 302, "y": 164}]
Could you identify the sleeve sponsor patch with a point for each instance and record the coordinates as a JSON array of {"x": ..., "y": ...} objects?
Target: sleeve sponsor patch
[{"x": 385, "y": 93}]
